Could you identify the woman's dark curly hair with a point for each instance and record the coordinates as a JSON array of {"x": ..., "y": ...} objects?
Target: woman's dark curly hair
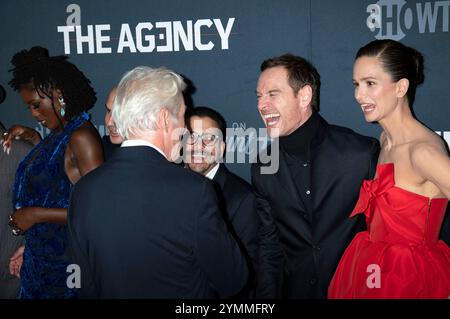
[{"x": 46, "y": 73}]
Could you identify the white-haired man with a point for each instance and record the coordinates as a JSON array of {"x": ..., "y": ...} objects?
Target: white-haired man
[{"x": 141, "y": 226}]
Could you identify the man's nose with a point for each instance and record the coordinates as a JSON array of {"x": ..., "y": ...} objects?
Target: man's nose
[
  {"x": 198, "y": 144},
  {"x": 110, "y": 121},
  {"x": 262, "y": 102}
]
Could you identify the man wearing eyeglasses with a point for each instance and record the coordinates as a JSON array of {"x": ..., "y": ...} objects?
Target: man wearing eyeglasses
[
  {"x": 155, "y": 230},
  {"x": 204, "y": 154}
]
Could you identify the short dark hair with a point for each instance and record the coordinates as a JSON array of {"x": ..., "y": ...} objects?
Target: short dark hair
[
  {"x": 300, "y": 73},
  {"x": 45, "y": 73},
  {"x": 204, "y": 111},
  {"x": 399, "y": 60}
]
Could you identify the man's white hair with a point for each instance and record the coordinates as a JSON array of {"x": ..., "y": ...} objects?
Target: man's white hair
[{"x": 141, "y": 94}]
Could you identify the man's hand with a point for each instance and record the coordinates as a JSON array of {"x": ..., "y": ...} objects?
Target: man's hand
[
  {"x": 19, "y": 132},
  {"x": 15, "y": 262}
]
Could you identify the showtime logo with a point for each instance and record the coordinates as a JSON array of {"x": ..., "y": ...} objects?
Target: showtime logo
[{"x": 393, "y": 18}]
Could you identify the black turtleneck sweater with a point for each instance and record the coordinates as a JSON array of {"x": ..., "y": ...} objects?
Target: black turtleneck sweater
[
  {"x": 296, "y": 147},
  {"x": 298, "y": 142}
]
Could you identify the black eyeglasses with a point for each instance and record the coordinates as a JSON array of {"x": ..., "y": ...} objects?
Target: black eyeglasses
[{"x": 207, "y": 138}]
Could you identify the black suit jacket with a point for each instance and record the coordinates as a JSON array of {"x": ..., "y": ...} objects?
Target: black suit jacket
[
  {"x": 237, "y": 202},
  {"x": 108, "y": 147},
  {"x": 302, "y": 241},
  {"x": 142, "y": 227}
]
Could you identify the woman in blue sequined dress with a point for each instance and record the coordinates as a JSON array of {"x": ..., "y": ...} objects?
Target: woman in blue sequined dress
[{"x": 58, "y": 96}]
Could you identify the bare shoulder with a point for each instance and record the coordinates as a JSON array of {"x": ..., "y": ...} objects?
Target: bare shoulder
[
  {"x": 430, "y": 160},
  {"x": 429, "y": 153},
  {"x": 84, "y": 152},
  {"x": 85, "y": 134},
  {"x": 429, "y": 145}
]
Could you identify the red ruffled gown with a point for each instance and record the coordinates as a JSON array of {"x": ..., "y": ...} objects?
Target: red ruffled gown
[{"x": 399, "y": 256}]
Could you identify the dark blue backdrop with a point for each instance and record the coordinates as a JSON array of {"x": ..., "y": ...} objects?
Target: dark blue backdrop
[{"x": 326, "y": 32}]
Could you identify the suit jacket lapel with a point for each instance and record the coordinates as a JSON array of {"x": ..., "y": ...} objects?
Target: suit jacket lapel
[
  {"x": 286, "y": 179},
  {"x": 221, "y": 176}
]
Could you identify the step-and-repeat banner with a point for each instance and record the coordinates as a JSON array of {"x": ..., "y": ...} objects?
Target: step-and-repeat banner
[{"x": 219, "y": 45}]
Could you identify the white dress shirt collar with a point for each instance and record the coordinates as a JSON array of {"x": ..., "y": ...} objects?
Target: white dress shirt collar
[{"x": 212, "y": 172}]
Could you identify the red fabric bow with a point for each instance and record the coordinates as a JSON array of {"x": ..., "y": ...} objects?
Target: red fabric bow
[{"x": 373, "y": 188}]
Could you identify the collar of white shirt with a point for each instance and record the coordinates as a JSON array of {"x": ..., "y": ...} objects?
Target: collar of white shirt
[
  {"x": 212, "y": 172},
  {"x": 129, "y": 143}
]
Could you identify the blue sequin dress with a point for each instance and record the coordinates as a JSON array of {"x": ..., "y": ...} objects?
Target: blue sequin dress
[{"x": 41, "y": 181}]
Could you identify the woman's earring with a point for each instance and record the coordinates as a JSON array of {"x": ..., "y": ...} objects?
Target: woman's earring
[
  {"x": 62, "y": 103},
  {"x": 61, "y": 100}
]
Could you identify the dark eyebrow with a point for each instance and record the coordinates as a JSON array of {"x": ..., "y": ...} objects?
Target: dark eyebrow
[
  {"x": 368, "y": 78},
  {"x": 271, "y": 91}
]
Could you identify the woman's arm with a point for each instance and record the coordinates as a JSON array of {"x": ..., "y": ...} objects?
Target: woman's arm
[{"x": 85, "y": 151}]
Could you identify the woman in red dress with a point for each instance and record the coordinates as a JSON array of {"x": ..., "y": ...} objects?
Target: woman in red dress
[{"x": 399, "y": 256}]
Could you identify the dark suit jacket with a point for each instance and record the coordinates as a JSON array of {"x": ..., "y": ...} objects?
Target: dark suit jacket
[
  {"x": 302, "y": 242},
  {"x": 142, "y": 227},
  {"x": 237, "y": 203},
  {"x": 108, "y": 147}
]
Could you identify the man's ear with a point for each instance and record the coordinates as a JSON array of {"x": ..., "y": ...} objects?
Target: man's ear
[
  {"x": 305, "y": 96},
  {"x": 222, "y": 148},
  {"x": 163, "y": 119},
  {"x": 401, "y": 87}
]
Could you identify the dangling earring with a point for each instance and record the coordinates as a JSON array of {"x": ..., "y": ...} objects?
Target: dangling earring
[{"x": 62, "y": 103}]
